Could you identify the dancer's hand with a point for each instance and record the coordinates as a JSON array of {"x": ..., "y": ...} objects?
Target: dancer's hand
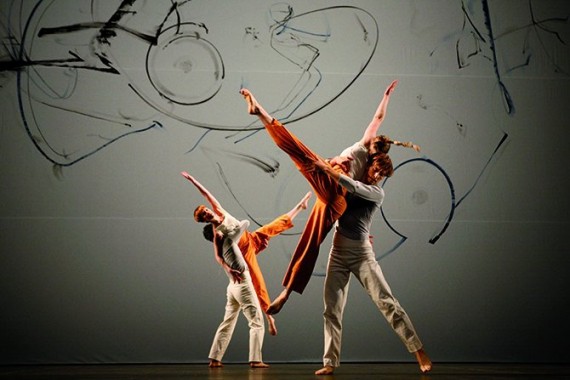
[
  {"x": 235, "y": 274},
  {"x": 187, "y": 176},
  {"x": 343, "y": 161},
  {"x": 391, "y": 87},
  {"x": 327, "y": 169}
]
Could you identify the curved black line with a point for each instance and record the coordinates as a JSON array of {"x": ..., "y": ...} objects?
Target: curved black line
[
  {"x": 452, "y": 193},
  {"x": 364, "y": 66},
  {"x": 227, "y": 184},
  {"x": 503, "y": 139}
]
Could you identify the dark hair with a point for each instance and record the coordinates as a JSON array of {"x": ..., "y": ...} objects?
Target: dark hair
[
  {"x": 208, "y": 232},
  {"x": 382, "y": 144}
]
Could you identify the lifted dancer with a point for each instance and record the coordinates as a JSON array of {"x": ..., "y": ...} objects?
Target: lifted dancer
[{"x": 330, "y": 203}]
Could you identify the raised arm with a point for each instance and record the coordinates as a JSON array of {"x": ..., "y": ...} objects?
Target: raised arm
[
  {"x": 379, "y": 116},
  {"x": 216, "y": 207}
]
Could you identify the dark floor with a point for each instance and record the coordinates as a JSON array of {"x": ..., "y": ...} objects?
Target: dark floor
[{"x": 283, "y": 371}]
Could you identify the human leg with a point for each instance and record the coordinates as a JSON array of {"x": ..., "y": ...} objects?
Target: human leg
[
  {"x": 252, "y": 311},
  {"x": 329, "y": 206},
  {"x": 260, "y": 238},
  {"x": 263, "y": 234},
  {"x": 225, "y": 330},
  {"x": 335, "y": 294},
  {"x": 249, "y": 245},
  {"x": 302, "y": 263},
  {"x": 303, "y": 157},
  {"x": 258, "y": 283},
  {"x": 325, "y": 188},
  {"x": 369, "y": 274},
  {"x": 253, "y": 243}
]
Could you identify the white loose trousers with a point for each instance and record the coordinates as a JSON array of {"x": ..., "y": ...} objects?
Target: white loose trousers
[
  {"x": 357, "y": 257},
  {"x": 242, "y": 297}
]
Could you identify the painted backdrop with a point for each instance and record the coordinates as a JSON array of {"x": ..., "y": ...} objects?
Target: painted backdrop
[{"x": 104, "y": 102}]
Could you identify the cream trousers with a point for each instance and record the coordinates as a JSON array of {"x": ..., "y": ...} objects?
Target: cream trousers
[
  {"x": 357, "y": 257},
  {"x": 240, "y": 297}
]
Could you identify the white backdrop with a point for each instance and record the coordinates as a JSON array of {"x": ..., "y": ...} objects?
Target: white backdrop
[{"x": 102, "y": 107}]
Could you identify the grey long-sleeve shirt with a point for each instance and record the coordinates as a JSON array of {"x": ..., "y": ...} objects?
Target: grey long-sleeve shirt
[{"x": 362, "y": 202}]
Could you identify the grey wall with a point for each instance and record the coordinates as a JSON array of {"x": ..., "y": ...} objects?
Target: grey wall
[{"x": 101, "y": 260}]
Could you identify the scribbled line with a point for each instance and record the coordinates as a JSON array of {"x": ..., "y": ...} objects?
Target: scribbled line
[
  {"x": 122, "y": 122},
  {"x": 269, "y": 168},
  {"x": 541, "y": 25},
  {"x": 479, "y": 36},
  {"x": 460, "y": 127},
  {"x": 363, "y": 67},
  {"x": 449, "y": 218},
  {"x": 76, "y": 60},
  {"x": 111, "y": 24},
  {"x": 197, "y": 143},
  {"x": 272, "y": 170},
  {"x": 454, "y": 203},
  {"x": 296, "y": 98},
  {"x": 501, "y": 142},
  {"x": 20, "y": 62},
  {"x": 107, "y": 30},
  {"x": 506, "y": 95},
  {"x": 35, "y": 141},
  {"x": 250, "y": 217},
  {"x": 536, "y": 25},
  {"x": 14, "y": 65}
]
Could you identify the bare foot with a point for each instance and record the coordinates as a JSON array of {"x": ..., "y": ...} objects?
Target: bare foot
[
  {"x": 258, "y": 365},
  {"x": 326, "y": 370},
  {"x": 278, "y": 303},
  {"x": 423, "y": 360},
  {"x": 272, "y": 326},
  {"x": 305, "y": 201},
  {"x": 302, "y": 205},
  {"x": 215, "y": 363},
  {"x": 252, "y": 106}
]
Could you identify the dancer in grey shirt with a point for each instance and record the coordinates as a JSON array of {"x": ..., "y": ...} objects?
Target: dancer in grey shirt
[{"x": 352, "y": 252}]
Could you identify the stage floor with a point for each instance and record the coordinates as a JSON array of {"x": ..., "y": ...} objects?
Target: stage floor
[{"x": 283, "y": 371}]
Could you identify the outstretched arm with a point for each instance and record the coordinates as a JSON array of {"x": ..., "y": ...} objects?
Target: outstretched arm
[
  {"x": 369, "y": 192},
  {"x": 216, "y": 207},
  {"x": 254, "y": 108},
  {"x": 379, "y": 116}
]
